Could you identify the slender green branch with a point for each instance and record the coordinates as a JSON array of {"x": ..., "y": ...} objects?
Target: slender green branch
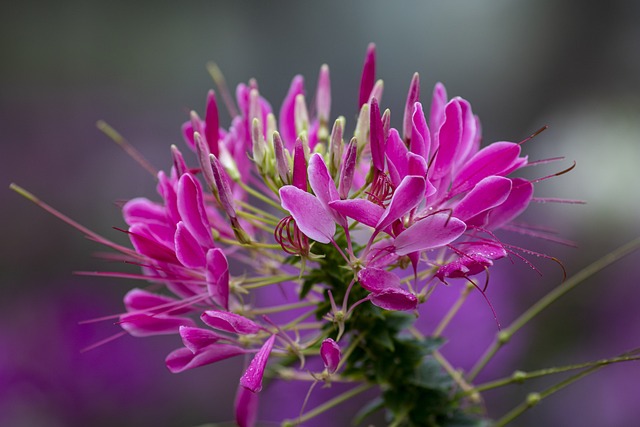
[
  {"x": 533, "y": 399},
  {"x": 259, "y": 195},
  {"x": 505, "y": 335},
  {"x": 520, "y": 376},
  {"x": 281, "y": 308},
  {"x": 453, "y": 310},
  {"x": 268, "y": 281},
  {"x": 328, "y": 405}
]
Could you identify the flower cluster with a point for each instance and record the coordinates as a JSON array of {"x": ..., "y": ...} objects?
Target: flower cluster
[{"x": 359, "y": 228}]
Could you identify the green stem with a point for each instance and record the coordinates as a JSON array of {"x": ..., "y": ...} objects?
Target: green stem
[
  {"x": 267, "y": 282},
  {"x": 281, "y": 308},
  {"x": 259, "y": 195},
  {"x": 505, "y": 335},
  {"x": 534, "y": 398},
  {"x": 453, "y": 310},
  {"x": 520, "y": 376},
  {"x": 328, "y": 405}
]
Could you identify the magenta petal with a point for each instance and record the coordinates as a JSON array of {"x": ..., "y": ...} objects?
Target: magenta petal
[
  {"x": 361, "y": 210},
  {"x": 323, "y": 94},
  {"x": 218, "y": 277},
  {"x": 141, "y": 300},
  {"x": 347, "y": 169},
  {"x": 143, "y": 325},
  {"x": 395, "y": 299},
  {"x": 323, "y": 186},
  {"x": 310, "y": 216},
  {"x": 518, "y": 200},
  {"x": 145, "y": 244},
  {"x": 192, "y": 212},
  {"x": 488, "y": 193},
  {"x": 168, "y": 193},
  {"x": 430, "y": 232},
  {"x": 412, "y": 97},
  {"x": 196, "y": 339},
  {"x": 143, "y": 210},
  {"x": 376, "y": 136},
  {"x": 246, "y": 406},
  {"x": 376, "y": 279},
  {"x": 211, "y": 131},
  {"x": 286, "y": 120},
  {"x": 183, "y": 359},
  {"x": 331, "y": 355},
  {"x": 188, "y": 251},
  {"x": 420, "y": 135},
  {"x": 368, "y": 75},
  {"x": 230, "y": 322},
  {"x": 494, "y": 159},
  {"x": 252, "y": 378},
  {"x": 407, "y": 196},
  {"x": 299, "y": 178},
  {"x": 449, "y": 136},
  {"x": 438, "y": 102}
]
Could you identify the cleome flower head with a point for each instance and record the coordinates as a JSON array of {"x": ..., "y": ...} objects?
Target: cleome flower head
[{"x": 357, "y": 228}]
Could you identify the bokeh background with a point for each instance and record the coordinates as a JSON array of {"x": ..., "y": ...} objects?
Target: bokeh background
[{"x": 571, "y": 65}]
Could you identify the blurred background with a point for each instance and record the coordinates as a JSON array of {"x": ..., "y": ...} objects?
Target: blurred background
[{"x": 140, "y": 66}]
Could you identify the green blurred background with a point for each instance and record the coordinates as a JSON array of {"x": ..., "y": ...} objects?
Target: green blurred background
[{"x": 571, "y": 65}]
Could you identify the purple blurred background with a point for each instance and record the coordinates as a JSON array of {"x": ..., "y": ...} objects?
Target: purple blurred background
[{"x": 572, "y": 65}]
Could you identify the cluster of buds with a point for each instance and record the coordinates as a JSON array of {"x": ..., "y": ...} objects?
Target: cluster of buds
[{"x": 372, "y": 223}]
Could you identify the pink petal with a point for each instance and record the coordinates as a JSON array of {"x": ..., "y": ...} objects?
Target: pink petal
[
  {"x": 196, "y": 339},
  {"x": 310, "y": 216},
  {"x": 141, "y": 300},
  {"x": 430, "y": 232},
  {"x": 145, "y": 244},
  {"x": 188, "y": 250},
  {"x": 252, "y": 378},
  {"x": 376, "y": 279},
  {"x": 230, "y": 322},
  {"x": 183, "y": 359},
  {"x": 368, "y": 75},
  {"x": 323, "y": 94},
  {"x": 143, "y": 210},
  {"x": 518, "y": 200},
  {"x": 474, "y": 259},
  {"x": 348, "y": 169},
  {"x": 246, "y": 407},
  {"x": 286, "y": 120},
  {"x": 143, "y": 325},
  {"x": 407, "y": 196},
  {"x": 331, "y": 355},
  {"x": 438, "y": 102},
  {"x": 395, "y": 299},
  {"x": 323, "y": 186},
  {"x": 491, "y": 160},
  {"x": 192, "y": 212},
  {"x": 212, "y": 122},
  {"x": 178, "y": 161},
  {"x": 218, "y": 277},
  {"x": 222, "y": 184},
  {"x": 168, "y": 193},
  {"x": 412, "y": 97},
  {"x": 361, "y": 210},
  {"x": 299, "y": 179},
  {"x": 376, "y": 136},
  {"x": 420, "y": 135},
  {"x": 488, "y": 193},
  {"x": 396, "y": 152},
  {"x": 449, "y": 136},
  {"x": 282, "y": 165}
]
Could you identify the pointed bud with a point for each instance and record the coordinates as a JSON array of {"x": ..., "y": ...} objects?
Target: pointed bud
[
  {"x": 224, "y": 192},
  {"x": 282, "y": 164},
  {"x": 255, "y": 112},
  {"x": 246, "y": 406},
  {"x": 202, "y": 150},
  {"x": 377, "y": 90},
  {"x": 368, "y": 75},
  {"x": 362, "y": 127},
  {"x": 301, "y": 115},
  {"x": 348, "y": 169},
  {"x": 412, "y": 97},
  {"x": 144, "y": 325},
  {"x": 299, "y": 165},
  {"x": 323, "y": 101},
  {"x": 271, "y": 128},
  {"x": 252, "y": 378},
  {"x": 230, "y": 322},
  {"x": 376, "y": 136},
  {"x": 336, "y": 146},
  {"x": 217, "y": 277},
  {"x": 259, "y": 145},
  {"x": 178, "y": 161},
  {"x": 386, "y": 125},
  {"x": 331, "y": 355},
  {"x": 212, "y": 123}
]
